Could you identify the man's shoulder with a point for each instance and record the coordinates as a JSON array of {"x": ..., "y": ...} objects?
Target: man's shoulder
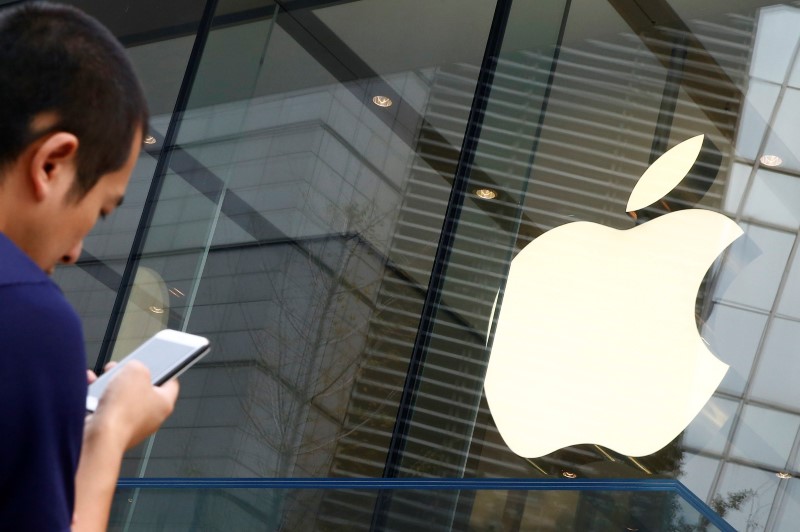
[
  {"x": 42, "y": 367},
  {"x": 30, "y": 302},
  {"x": 16, "y": 267}
]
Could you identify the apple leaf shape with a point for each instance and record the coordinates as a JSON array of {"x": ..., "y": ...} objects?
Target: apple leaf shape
[{"x": 665, "y": 173}]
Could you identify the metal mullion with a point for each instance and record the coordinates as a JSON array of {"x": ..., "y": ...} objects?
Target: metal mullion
[
  {"x": 148, "y": 211},
  {"x": 446, "y": 241},
  {"x": 159, "y": 174}
]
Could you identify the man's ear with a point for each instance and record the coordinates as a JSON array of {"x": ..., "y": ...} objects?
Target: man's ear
[{"x": 52, "y": 162}]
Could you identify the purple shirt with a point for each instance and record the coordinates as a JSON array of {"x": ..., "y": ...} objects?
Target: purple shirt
[{"x": 43, "y": 396}]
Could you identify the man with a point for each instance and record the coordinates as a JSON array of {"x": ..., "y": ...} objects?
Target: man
[{"x": 72, "y": 116}]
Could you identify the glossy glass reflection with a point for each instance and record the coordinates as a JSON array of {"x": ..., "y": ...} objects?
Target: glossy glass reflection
[
  {"x": 709, "y": 431},
  {"x": 774, "y": 199},
  {"x": 735, "y": 335},
  {"x": 776, "y": 38},
  {"x": 698, "y": 474},
  {"x": 589, "y": 151},
  {"x": 765, "y": 436},
  {"x": 784, "y": 130},
  {"x": 774, "y": 380},
  {"x": 319, "y": 508},
  {"x": 295, "y": 227},
  {"x": 158, "y": 40},
  {"x": 297, "y": 224},
  {"x": 756, "y": 114},
  {"x": 744, "y": 496},
  {"x": 790, "y": 306},
  {"x": 754, "y": 267}
]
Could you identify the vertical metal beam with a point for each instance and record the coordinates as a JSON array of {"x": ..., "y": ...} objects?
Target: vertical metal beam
[
  {"x": 463, "y": 172},
  {"x": 155, "y": 187},
  {"x": 669, "y": 101},
  {"x": 447, "y": 237}
]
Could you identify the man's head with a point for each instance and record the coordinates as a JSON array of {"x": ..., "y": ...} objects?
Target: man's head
[
  {"x": 72, "y": 116},
  {"x": 57, "y": 62}
]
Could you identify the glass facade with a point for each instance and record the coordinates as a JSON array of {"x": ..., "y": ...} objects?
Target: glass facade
[{"x": 333, "y": 191}]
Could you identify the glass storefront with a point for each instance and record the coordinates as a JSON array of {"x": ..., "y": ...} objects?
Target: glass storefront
[
  {"x": 333, "y": 192},
  {"x": 499, "y": 504}
]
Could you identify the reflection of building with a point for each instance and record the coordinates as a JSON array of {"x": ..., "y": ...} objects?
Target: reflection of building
[{"x": 298, "y": 225}]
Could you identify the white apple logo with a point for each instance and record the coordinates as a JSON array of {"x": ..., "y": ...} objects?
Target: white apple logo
[{"x": 596, "y": 340}]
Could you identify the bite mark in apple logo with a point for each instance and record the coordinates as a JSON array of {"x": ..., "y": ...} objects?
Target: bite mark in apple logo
[{"x": 576, "y": 360}]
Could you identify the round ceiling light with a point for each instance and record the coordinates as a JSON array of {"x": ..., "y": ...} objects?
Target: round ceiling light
[
  {"x": 382, "y": 101},
  {"x": 149, "y": 139},
  {"x": 485, "y": 193},
  {"x": 771, "y": 160}
]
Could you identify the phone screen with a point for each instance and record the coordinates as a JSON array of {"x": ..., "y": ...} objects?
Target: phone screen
[{"x": 164, "y": 358}]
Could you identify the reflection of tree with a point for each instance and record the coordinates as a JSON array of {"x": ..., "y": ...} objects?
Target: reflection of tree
[
  {"x": 734, "y": 501},
  {"x": 307, "y": 350},
  {"x": 721, "y": 505}
]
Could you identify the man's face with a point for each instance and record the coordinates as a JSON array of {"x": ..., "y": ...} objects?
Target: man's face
[{"x": 76, "y": 217}]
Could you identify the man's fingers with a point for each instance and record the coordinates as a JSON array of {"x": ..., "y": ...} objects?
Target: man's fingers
[
  {"x": 91, "y": 376},
  {"x": 137, "y": 368},
  {"x": 169, "y": 390}
]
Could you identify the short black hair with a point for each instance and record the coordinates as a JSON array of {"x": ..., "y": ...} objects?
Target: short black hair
[{"x": 56, "y": 59}]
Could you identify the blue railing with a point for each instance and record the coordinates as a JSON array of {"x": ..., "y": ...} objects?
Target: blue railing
[{"x": 691, "y": 511}]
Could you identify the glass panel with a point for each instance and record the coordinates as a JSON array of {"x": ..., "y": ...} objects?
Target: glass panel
[
  {"x": 775, "y": 44},
  {"x": 158, "y": 40},
  {"x": 790, "y": 511},
  {"x": 709, "y": 431},
  {"x": 621, "y": 95},
  {"x": 785, "y": 131},
  {"x": 744, "y": 497},
  {"x": 765, "y": 436},
  {"x": 790, "y": 306},
  {"x": 774, "y": 380},
  {"x": 754, "y": 266},
  {"x": 450, "y": 385},
  {"x": 299, "y": 225},
  {"x": 492, "y": 509},
  {"x": 735, "y": 188},
  {"x": 756, "y": 114},
  {"x": 295, "y": 227},
  {"x": 698, "y": 473},
  {"x": 734, "y": 335},
  {"x": 774, "y": 199}
]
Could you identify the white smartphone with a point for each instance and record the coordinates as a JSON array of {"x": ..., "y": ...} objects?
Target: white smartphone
[{"x": 167, "y": 354}]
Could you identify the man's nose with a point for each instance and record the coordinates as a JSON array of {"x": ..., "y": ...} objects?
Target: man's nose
[{"x": 71, "y": 256}]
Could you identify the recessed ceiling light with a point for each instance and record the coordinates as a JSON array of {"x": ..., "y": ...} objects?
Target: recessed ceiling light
[
  {"x": 771, "y": 160},
  {"x": 149, "y": 139},
  {"x": 156, "y": 310},
  {"x": 568, "y": 474},
  {"x": 175, "y": 292},
  {"x": 485, "y": 193},
  {"x": 783, "y": 474},
  {"x": 382, "y": 101}
]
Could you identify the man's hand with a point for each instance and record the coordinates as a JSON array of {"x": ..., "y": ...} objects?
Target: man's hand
[{"x": 131, "y": 407}]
